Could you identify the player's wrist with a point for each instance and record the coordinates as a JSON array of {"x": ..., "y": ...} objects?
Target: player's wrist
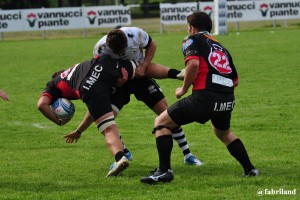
[{"x": 78, "y": 131}]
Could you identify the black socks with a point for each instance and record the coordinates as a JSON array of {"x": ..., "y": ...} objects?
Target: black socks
[
  {"x": 164, "y": 145},
  {"x": 238, "y": 151},
  {"x": 119, "y": 155},
  {"x": 172, "y": 73}
]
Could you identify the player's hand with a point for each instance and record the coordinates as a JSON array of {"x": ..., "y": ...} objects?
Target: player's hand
[
  {"x": 123, "y": 79},
  {"x": 180, "y": 92},
  {"x": 72, "y": 137},
  {"x": 140, "y": 71},
  {"x": 3, "y": 95},
  {"x": 64, "y": 121}
]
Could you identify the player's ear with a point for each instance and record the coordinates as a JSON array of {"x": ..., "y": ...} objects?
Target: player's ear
[{"x": 193, "y": 30}]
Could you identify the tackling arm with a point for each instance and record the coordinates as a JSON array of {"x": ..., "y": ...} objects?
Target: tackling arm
[
  {"x": 149, "y": 54},
  {"x": 190, "y": 75}
]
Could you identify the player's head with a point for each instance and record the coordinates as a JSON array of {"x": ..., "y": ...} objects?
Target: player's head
[
  {"x": 200, "y": 20},
  {"x": 117, "y": 41}
]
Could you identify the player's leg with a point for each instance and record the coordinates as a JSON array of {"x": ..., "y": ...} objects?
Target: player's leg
[
  {"x": 177, "y": 133},
  {"x": 237, "y": 149},
  {"x": 104, "y": 119},
  {"x": 182, "y": 112},
  {"x": 188, "y": 157},
  {"x": 107, "y": 126},
  {"x": 119, "y": 98},
  {"x": 164, "y": 143},
  {"x": 159, "y": 71}
]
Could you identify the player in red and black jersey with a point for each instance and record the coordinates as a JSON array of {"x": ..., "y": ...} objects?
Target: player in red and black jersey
[
  {"x": 92, "y": 82},
  {"x": 216, "y": 70},
  {"x": 210, "y": 69}
]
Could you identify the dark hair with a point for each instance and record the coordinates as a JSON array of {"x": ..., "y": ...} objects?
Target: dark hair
[
  {"x": 200, "y": 20},
  {"x": 117, "y": 41},
  {"x": 55, "y": 74}
]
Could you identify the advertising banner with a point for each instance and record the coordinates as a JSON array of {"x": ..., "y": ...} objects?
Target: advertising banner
[
  {"x": 257, "y": 10},
  {"x": 52, "y": 19},
  {"x": 176, "y": 13},
  {"x": 11, "y": 21},
  {"x": 107, "y": 16},
  {"x": 64, "y": 18}
]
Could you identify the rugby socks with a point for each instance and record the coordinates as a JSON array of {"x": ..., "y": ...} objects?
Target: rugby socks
[
  {"x": 238, "y": 151},
  {"x": 172, "y": 73},
  {"x": 180, "y": 138},
  {"x": 124, "y": 146},
  {"x": 119, "y": 155},
  {"x": 164, "y": 146}
]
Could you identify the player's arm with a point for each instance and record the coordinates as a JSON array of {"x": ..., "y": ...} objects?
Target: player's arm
[
  {"x": 44, "y": 107},
  {"x": 149, "y": 54},
  {"x": 3, "y": 95},
  {"x": 85, "y": 123},
  {"x": 234, "y": 72},
  {"x": 191, "y": 70},
  {"x": 235, "y": 82}
]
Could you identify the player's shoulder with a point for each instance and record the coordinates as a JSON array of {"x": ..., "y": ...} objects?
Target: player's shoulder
[
  {"x": 133, "y": 30},
  {"x": 102, "y": 40},
  {"x": 189, "y": 38}
]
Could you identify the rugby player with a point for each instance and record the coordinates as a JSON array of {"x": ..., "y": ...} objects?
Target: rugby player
[
  {"x": 92, "y": 81},
  {"x": 210, "y": 69}
]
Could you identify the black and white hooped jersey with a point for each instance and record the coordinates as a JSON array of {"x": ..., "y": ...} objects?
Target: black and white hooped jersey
[
  {"x": 137, "y": 39},
  {"x": 216, "y": 70}
]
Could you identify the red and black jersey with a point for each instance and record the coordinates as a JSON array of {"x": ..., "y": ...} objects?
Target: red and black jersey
[
  {"x": 216, "y": 69},
  {"x": 96, "y": 74}
]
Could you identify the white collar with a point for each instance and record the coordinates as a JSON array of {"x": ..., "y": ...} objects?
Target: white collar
[{"x": 204, "y": 32}]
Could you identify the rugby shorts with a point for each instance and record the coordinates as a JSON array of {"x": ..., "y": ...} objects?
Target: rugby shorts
[
  {"x": 97, "y": 101},
  {"x": 144, "y": 89},
  {"x": 202, "y": 106}
]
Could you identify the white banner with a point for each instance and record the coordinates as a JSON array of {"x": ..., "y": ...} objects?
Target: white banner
[
  {"x": 52, "y": 19},
  {"x": 11, "y": 20},
  {"x": 257, "y": 10},
  {"x": 107, "y": 16},
  {"x": 64, "y": 18},
  {"x": 176, "y": 13}
]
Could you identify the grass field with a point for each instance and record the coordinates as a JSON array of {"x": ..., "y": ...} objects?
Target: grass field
[{"x": 36, "y": 163}]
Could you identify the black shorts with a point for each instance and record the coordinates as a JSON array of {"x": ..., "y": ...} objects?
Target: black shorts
[
  {"x": 98, "y": 102},
  {"x": 202, "y": 106},
  {"x": 144, "y": 89}
]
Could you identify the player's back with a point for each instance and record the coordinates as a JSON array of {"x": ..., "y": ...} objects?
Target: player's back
[{"x": 137, "y": 39}]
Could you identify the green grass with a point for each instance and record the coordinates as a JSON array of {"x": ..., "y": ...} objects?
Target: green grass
[{"x": 36, "y": 163}]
